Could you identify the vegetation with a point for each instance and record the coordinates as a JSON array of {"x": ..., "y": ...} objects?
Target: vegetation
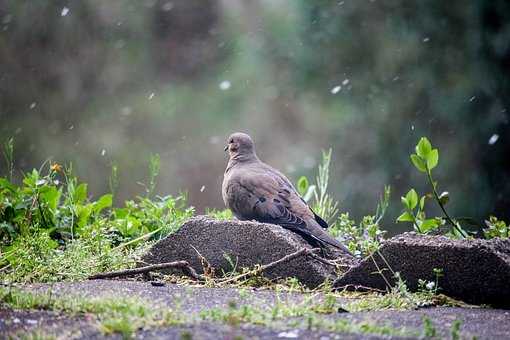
[
  {"x": 425, "y": 159},
  {"x": 112, "y": 315}
]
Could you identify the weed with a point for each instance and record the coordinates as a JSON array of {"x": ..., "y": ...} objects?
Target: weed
[{"x": 112, "y": 315}]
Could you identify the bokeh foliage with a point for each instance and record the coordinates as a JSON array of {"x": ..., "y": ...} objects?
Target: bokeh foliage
[{"x": 113, "y": 82}]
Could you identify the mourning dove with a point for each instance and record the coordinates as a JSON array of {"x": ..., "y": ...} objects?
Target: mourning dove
[{"x": 256, "y": 191}]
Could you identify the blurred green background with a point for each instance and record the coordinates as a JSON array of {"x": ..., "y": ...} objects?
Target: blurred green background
[{"x": 102, "y": 82}]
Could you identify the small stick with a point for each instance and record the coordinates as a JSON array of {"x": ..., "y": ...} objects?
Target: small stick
[
  {"x": 183, "y": 265},
  {"x": 360, "y": 287},
  {"x": 286, "y": 258}
]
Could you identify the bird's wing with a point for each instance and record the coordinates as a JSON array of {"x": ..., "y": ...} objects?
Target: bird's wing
[{"x": 266, "y": 198}]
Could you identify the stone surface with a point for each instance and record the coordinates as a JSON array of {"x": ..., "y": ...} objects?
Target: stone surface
[
  {"x": 476, "y": 271},
  {"x": 246, "y": 243},
  {"x": 483, "y": 323}
]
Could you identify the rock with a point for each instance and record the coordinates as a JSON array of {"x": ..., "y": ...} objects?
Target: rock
[
  {"x": 246, "y": 243},
  {"x": 475, "y": 271}
]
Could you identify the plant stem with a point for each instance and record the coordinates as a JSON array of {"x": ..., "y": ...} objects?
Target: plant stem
[{"x": 436, "y": 195}]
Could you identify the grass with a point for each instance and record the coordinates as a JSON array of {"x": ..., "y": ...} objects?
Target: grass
[
  {"x": 111, "y": 314},
  {"x": 288, "y": 314}
]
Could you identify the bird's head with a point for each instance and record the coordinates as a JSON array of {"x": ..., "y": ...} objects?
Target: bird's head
[{"x": 240, "y": 146}]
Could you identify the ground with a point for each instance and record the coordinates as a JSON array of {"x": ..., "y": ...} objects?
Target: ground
[{"x": 484, "y": 323}]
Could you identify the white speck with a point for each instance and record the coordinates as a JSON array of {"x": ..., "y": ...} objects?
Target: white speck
[
  {"x": 126, "y": 111},
  {"x": 71, "y": 127},
  {"x": 202, "y": 188},
  {"x": 151, "y": 96},
  {"x": 64, "y": 12},
  {"x": 16, "y": 320},
  {"x": 167, "y": 6},
  {"x": 103, "y": 152},
  {"x": 341, "y": 3},
  {"x": 225, "y": 85},
  {"x": 396, "y": 78},
  {"x": 31, "y": 322},
  {"x": 412, "y": 127},
  {"x": 214, "y": 139},
  {"x": 336, "y": 89},
  {"x": 426, "y": 39},
  {"x": 289, "y": 335},
  {"x": 430, "y": 285},
  {"x": 494, "y": 138},
  {"x": 345, "y": 82},
  {"x": 472, "y": 98},
  {"x": 33, "y": 105}
]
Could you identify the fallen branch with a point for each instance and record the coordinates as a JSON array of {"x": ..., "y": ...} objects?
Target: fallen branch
[
  {"x": 359, "y": 288},
  {"x": 260, "y": 269},
  {"x": 183, "y": 265}
]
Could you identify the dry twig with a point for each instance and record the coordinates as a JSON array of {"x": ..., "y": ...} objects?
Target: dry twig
[{"x": 183, "y": 265}]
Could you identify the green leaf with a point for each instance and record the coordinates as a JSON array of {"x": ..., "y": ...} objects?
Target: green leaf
[
  {"x": 422, "y": 202},
  {"x": 418, "y": 162},
  {"x": 80, "y": 193},
  {"x": 428, "y": 225},
  {"x": 423, "y": 148},
  {"x": 51, "y": 195},
  {"x": 405, "y": 202},
  {"x": 5, "y": 184},
  {"x": 83, "y": 212},
  {"x": 412, "y": 199},
  {"x": 432, "y": 159},
  {"x": 103, "y": 202},
  {"x": 302, "y": 185},
  {"x": 405, "y": 217}
]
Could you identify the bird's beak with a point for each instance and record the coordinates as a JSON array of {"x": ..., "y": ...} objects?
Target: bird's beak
[{"x": 226, "y": 148}]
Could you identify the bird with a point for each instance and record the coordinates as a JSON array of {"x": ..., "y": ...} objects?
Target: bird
[{"x": 253, "y": 190}]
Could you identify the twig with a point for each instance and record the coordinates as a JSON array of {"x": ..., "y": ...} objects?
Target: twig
[
  {"x": 260, "y": 269},
  {"x": 360, "y": 287},
  {"x": 183, "y": 265},
  {"x": 206, "y": 266}
]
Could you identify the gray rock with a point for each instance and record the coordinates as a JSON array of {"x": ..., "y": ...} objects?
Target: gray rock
[
  {"x": 475, "y": 271},
  {"x": 246, "y": 243}
]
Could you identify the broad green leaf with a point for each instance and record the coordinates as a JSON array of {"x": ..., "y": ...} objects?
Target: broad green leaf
[
  {"x": 423, "y": 148},
  {"x": 83, "y": 212},
  {"x": 405, "y": 217},
  {"x": 405, "y": 202},
  {"x": 412, "y": 198},
  {"x": 302, "y": 185},
  {"x": 103, "y": 202},
  {"x": 51, "y": 195},
  {"x": 80, "y": 193},
  {"x": 428, "y": 225},
  {"x": 418, "y": 163},
  {"x": 432, "y": 159}
]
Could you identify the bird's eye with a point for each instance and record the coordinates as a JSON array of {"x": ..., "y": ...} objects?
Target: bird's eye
[{"x": 231, "y": 140}]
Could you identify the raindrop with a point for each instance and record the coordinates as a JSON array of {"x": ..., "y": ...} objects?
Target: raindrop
[
  {"x": 494, "y": 138},
  {"x": 167, "y": 6},
  {"x": 472, "y": 98},
  {"x": 151, "y": 96},
  {"x": 345, "y": 82},
  {"x": 202, "y": 188},
  {"x": 33, "y": 105},
  {"x": 336, "y": 89},
  {"x": 64, "y": 12},
  {"x": 412, "y": 127},
  {"x": 225, "y": 85},
  {"x": 426, "y": 39},
  {"x": 71, "y": 127},
  {"x": 103, "y": 152}
]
